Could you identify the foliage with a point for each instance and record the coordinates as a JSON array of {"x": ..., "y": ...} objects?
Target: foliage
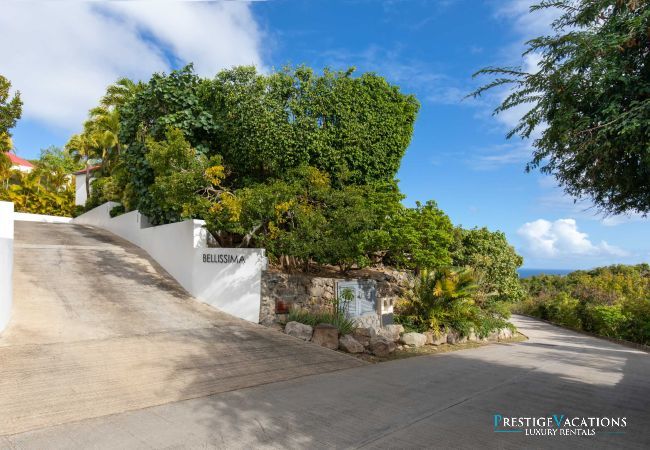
[
  {"x": 494, "y": 260},
  {"x": 58, "y": 160},
  {"x": 444, "y": 299},
  {"x": 10, "y": 112},
  {"x": 304, "y": 219},
  {"x": 42, "y": 191},
  {"x": 184, "y": 183},
  {"x": 420, "y": 238},
  {"x": 295, "y": 117},
  {"x": 355, "y": 129},
  {"x": 334, "y": 315},
  {"x": 590, "y": 100},
  {"x": 610, "y": 301}
]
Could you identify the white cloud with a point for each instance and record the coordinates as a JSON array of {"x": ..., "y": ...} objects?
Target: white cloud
[
  {"x": 561, "y": 238},
  {"x": 495, "y": 156},
  {"x": 62, "y": 55},
  {"x": 411, "y": 75}
]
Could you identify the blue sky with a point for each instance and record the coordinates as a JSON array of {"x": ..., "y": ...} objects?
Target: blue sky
[{"x": 458, "y": 156}]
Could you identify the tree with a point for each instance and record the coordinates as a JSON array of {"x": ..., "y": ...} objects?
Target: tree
[
  {"x": 83, "y": 148},
  {"x": 494, "y": 260},
  {"x": 10, "y": 112},
  {"x": 355, "y": 129},
  {"x": 590, "y": 98},
  {"x": 420, "y": 238},
  {"x": 56, "y": 159},
  {"x": 272, "y": 123},
  {"x": 104, "y": 126}
]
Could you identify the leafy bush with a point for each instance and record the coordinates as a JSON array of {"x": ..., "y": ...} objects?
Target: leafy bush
[
  {"x": 117, "y": 211},
  {"x": 41, "y": 191},
  {"x": 444, "y": 299}
]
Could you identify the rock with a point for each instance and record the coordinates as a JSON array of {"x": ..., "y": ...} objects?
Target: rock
[
  {"x": 382, "y": 346},
  {"x": 370, "y": 320},
  {"x": 349, "y": 344},
  {"x": 326, "y": 335},
  {"x": 363, "y": 335},
  {"x": 299, "y": 330},
  {"x": 505, "y": 333},
  {"x": 454, "y": 337},
  {"x": 436, "y": 338},
  {"x": 473, "y": 337},
  {"x": 414, "y": 339},
  {"x": 392, "y": 332}
]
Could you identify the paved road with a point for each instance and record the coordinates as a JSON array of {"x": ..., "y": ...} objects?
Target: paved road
[
  {"x": 443, "y": 401},
  {"x": 98, "y": 328}
]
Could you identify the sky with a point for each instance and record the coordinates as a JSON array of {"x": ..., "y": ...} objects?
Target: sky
[{"x": 61, "y": 55}]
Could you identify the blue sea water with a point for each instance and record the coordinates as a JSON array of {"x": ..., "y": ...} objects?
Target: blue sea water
[{"x": 527, "y": 273}]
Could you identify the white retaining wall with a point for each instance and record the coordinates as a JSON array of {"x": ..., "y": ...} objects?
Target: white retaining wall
[
  {"x": 227, "y": 278},
  {"x": 6, "y": 261},
  {"x": 28, "y": 217}
]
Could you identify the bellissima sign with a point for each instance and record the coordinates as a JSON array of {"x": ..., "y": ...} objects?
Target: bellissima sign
[{"x": 223, "y": 259}]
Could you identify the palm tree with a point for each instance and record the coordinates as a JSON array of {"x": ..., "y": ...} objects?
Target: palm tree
[
  {"x": 104, "y": 124},
  {"x": 120, "y": 93},
  {"x": 442, "y": 297},
  {"x": 83, "y": 147}
]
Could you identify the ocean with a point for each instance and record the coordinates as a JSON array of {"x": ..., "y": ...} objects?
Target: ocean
[{"x": 527, "y": 273}]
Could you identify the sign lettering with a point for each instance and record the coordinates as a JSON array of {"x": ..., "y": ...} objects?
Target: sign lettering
[{"x": 223, "y": 259}]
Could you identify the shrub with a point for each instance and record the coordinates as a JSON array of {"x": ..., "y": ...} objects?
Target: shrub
[
  {"x": 444, "y": 299},
  {"x": 610, "y": 301}
]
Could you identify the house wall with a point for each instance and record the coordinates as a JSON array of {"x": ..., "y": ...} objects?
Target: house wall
[
  {"x": 6, "y": 261},
  {"x": 227, "y": 278},
  {"x": 80, "y": 196}
]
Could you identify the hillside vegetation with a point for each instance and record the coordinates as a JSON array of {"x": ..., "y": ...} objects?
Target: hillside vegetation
[{"x": 610, "y": 301}]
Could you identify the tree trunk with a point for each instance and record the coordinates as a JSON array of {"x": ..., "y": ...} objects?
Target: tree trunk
[{"x": 87, "y": 181}]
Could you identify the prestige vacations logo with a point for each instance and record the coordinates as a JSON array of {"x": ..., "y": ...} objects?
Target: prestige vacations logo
[{"x": 559, "y": 425}]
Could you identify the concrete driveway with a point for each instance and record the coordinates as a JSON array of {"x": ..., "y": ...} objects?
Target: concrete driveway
[{"x": 98, "y": 328}]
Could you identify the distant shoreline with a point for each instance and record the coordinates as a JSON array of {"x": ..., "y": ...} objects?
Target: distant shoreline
[{"x": 527, "y": 273}]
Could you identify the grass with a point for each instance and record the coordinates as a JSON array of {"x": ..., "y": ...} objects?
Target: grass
[{"x": 344, "y": 324}]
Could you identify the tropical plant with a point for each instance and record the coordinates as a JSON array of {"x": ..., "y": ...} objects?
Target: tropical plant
[
  {"x": 83, "y": 148},
  {"x": 443, "y": 299},
  {"x": 41, "y": 191},
  {"x": 589, "y": 101}
]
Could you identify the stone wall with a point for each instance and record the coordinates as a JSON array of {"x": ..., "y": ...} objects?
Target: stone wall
[{"x": 316, "y": 293}]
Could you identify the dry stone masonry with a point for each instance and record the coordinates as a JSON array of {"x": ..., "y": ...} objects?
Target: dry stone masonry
[{"x": 282, "y": 291}]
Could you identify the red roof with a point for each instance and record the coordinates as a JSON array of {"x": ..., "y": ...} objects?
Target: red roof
[
  {"x": 90, "y": 169},
  {"x": 17, "y": 161}
]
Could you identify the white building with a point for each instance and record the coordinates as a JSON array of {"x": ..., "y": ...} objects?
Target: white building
[
  {"x": 80, "y": 196},
  {"x": 18, "y": 163}
]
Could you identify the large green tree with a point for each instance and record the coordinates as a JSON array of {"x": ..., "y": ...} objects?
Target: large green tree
[
  {"x": 355, "y": 129},
  {"x": 10, "y": 112},
  {"x": 589, "y": 97},
  {"x": 494, "y": 260}
]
